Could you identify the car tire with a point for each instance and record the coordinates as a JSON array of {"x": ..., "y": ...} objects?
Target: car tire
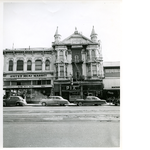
[
  {"x": 80, "y": 104},
  {"x": 62, "y": 104},
  {"x": 17, "y": 104},
  {"x": 44, "y": 104}
]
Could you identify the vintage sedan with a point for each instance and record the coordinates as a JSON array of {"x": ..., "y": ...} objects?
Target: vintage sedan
[
  {"x": 14, "y": 101},
  {"x": 90, "y": 100},
  {"x": 54, "y": 100}
]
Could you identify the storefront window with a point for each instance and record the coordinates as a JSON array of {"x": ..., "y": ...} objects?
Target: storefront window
[
  {"x": 6, "y": 83},
  {"x": 10, "y": 65},
  {"x": 20, "y": 65}
]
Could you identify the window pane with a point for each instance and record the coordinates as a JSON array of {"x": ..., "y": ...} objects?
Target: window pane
[
  {"x": 10, "y": 65},
  {"x": 94, "y": 70},
  {"x": 20, "y": 65},
  {"x": 61, "y": 54},
  {"x": 61, "y": 71},
  {"x": 29, "y": 64},
  {"x": 38, "y": 65},
  {"x": 47, "y": 65}
]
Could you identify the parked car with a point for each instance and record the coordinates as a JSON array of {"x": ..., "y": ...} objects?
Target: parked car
[
  {"x": 54, "y": 100},
  {"x": 116, "y": 101},
  {"x": 14, "y": 101},
  {"x": 90, "y": 100}
]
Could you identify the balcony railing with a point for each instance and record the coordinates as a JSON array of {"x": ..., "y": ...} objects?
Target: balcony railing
[
  {"x": 77, "y": 61},
  {"x": 94, "y": 59},
  {"x": 61, "y": 60}
]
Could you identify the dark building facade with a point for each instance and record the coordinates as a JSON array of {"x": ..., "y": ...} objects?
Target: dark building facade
[{"x": 79, "y": 66}]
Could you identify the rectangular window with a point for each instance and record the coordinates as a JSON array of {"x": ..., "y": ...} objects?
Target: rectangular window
[
  {"x": 6, "y": 83},
  {"x": 61, "y": 71},
  {"x": 48, "y": 81},
  {"x": 29, "y": 67},
  {"x": 38, "y": 65},
  {"x": 61, "y": 55},
  {"x": 13, "y": 83},
  {"x": 34, "y": 82},
  {"x": 10, "y": 68},
  {"x": 94, "y": 70},
  {"x": 20, "y": 65},
  {"x": 43, "y": 82},
  {"x": 26, "y": 83}
]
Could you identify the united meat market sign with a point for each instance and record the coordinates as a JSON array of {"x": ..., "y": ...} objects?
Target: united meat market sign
[{"x": 28, "y": 75}]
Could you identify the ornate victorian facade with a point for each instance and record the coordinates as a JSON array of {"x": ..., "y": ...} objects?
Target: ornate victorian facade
[
  {"x": 72, "y": 68},
  {"x": 79, "y": 60}
]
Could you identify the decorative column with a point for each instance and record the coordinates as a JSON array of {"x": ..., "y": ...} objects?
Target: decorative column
[
  {"x": 7, "y": 66},
  {"x": 15, "y": 66},
  {"x": 25, "y": 67},
  {"x": 33, "y": 65},
  {"x": 43, "y": 65}
]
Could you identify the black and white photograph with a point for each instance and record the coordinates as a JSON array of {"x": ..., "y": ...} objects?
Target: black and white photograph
[{"x": 61, "y": 74}]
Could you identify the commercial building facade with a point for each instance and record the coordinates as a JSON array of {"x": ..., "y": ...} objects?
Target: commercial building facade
[
  {"x": 79, "y": 65},
  {"x": 28, "y": 73},
  {"x": 111, "y": 80},
  {"x": 71, "y": 68}
]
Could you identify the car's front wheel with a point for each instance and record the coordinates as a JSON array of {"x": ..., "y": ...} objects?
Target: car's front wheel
[
  {"x": 80, "y": 104},
  {"x": 44, "y": 104},
  {"x": 17, "y": 104}
]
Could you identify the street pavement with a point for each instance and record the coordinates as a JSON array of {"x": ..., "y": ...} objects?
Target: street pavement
[{"x": 61, "y": 126}]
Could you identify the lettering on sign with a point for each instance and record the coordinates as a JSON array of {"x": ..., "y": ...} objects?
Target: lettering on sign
[
  {"x": 115, "y": 86},
  {"x": 28, "y": 75},
  {"x": 68, "y": 87}
]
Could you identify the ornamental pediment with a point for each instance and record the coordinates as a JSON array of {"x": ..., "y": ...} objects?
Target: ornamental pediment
[{"x": 77, "y": 39}]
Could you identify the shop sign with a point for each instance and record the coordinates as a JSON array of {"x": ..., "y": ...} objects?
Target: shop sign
[
  {"x": 27, "y": 75},
  {"x": 27, "y": 86},
  {"x": 69, "y": 87},
  {"x": 115, "y": 86}
]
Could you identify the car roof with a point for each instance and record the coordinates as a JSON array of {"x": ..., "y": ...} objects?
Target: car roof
[{"x": 15, "y": 96}]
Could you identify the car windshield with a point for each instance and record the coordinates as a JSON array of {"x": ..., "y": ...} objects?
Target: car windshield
[{"x": 58, "y": 98}]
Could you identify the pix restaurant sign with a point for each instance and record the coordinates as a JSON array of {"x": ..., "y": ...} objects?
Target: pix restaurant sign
[{"x": 69, "y": 87}]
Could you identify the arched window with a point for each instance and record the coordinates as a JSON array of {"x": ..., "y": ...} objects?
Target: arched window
[
  {"x": 47, "y": 65},
  {"x": 20, "y": 65},
  {"x": 38, "y": 65},
  {"x": 10, "y": 65},
  {"x": 29, "y": 65}
]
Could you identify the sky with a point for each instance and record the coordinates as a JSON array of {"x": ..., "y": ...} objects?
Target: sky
[{"x": 34, "y": 24}]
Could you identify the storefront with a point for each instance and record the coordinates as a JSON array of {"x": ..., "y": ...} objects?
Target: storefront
[
  {"x": 78, "y": 90},
  {"x": 111, "y": 89},
  {"x": 32, "y": 87}
]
